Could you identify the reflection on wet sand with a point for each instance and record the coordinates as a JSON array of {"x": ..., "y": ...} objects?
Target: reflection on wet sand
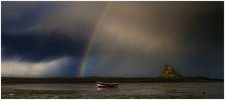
[{"x": 107, "y": 89}]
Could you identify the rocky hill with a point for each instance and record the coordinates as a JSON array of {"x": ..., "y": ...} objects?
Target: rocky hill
[{"x": 169, "y": 73}]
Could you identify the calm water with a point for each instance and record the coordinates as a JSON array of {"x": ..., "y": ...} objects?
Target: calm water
[{"x": 125, "y": 90}]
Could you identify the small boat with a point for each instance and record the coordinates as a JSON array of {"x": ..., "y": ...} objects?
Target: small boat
[{"x": 107, "y": 85}]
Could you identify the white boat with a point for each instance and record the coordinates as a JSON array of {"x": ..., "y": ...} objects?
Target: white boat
[{"x": 107, "y": 85}]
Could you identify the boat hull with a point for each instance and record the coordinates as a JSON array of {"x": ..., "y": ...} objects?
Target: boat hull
[{"x": 107, "y": 85}]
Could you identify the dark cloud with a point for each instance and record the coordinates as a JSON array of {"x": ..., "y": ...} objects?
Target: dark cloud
[
  {"x": 34, "y": 47},
  {"x": 18, "y": 16}
]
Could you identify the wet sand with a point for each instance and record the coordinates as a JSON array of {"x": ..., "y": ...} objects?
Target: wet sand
[{"x": 125, "y": 90}]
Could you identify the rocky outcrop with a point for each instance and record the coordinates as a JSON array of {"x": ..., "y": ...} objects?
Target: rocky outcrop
[{"x": 169, "y": 73}]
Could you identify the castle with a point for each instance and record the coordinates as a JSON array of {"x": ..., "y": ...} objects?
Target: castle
[{"x": 169, "y": 72}]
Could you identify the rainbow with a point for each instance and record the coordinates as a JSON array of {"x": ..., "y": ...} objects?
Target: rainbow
[{"x": 91, "y": 39}]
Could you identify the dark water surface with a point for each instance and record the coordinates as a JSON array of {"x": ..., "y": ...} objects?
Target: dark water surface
[{"x": 125, "y": 90}]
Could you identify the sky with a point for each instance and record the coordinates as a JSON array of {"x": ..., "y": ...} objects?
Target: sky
[{"x": 111, "y": 39}]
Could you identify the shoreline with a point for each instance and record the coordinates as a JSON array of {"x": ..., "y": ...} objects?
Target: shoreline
[{"x": 15, "y": 80}]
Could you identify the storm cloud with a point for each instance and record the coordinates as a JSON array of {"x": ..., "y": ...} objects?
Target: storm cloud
[{"x": 133, "y": 39}]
